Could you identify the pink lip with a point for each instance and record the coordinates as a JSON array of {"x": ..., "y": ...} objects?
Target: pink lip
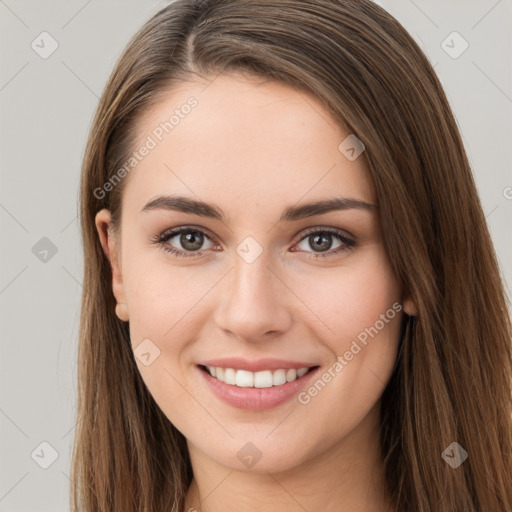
[
  {"x": 256, "y": 399},
  {"x": 257, "y": 365}
]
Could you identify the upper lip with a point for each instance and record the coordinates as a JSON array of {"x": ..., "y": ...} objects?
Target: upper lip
[{"x": 256, "y": 365}]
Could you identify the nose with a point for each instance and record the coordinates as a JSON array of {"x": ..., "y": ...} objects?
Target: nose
[{"x": 252, "y": 305}]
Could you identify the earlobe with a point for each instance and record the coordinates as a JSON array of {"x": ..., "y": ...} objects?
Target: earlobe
[
  {"x": 111, "y": 250},
  {"x": 410, "y": 307},
  {"x": 122, "y": 311}
]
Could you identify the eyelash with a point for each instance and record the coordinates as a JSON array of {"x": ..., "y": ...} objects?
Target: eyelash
[{"x": 162, "y": 239}]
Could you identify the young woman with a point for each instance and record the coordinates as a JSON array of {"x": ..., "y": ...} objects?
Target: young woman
[{"x": 291, "y": 299}]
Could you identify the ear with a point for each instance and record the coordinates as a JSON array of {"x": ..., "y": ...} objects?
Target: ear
[
  {"x": 111, "y": 249},
  {"x": 409, "y": 305}
]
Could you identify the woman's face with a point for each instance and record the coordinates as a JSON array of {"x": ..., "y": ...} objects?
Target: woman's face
[{"x": 263, "y": 279}]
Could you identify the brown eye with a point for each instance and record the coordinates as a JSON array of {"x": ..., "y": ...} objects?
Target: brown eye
[
  {"x": 190, "y": 239},
  {"x": 321, "y": 241}
]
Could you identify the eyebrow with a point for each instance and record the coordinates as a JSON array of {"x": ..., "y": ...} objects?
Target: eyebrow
[{"x": 293, "y": 213}]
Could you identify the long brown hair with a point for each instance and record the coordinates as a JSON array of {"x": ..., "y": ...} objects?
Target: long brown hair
[{"x": 453, "y": 377}]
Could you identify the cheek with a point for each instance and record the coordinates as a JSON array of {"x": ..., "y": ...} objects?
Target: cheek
[
  {"x": 351, "y": 298},
  {"x": 364, "y": 316},
  {"x": 165, "y": 311},
  {"x": 359, "y": 313},
  {"x": 162, "y": 298}
]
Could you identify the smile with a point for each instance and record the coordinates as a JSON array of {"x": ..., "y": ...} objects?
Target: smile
[
  {"x": 255, "y": 391},
  {"x": 261, "y": 379}
]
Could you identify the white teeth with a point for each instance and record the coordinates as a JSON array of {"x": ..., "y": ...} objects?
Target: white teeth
[
  {"x": 302, "y": 371},
  {"x": 279, "y": 377},
  {"x": 291, "y": 375},
  {"x": 263, "y": 379},
  {"x": 229, "y": 376},
  {"x": 244, "y": 379}
]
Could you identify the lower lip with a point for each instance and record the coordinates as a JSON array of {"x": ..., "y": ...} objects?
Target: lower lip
[{"x": 256, "y": 399}]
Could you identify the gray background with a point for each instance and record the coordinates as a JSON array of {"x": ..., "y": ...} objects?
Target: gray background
[{"x": 46, "y": 110}]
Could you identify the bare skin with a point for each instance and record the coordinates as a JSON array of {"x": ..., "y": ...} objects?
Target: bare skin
[{"x": 255, "y": 148}]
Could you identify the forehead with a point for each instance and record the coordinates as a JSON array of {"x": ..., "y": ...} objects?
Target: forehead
[{"x": 244, "y": 138}]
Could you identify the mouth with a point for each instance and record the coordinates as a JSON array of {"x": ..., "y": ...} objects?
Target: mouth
[
  {"x": 260, "y": 379},
  {"x": 255, "y": 391}
]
